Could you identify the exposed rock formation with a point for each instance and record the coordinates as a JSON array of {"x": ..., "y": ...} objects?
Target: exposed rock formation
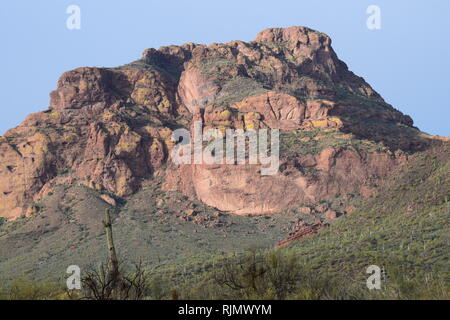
[
  {"x": 110, "y": 128},
  {"x": 302, "y": 231}
]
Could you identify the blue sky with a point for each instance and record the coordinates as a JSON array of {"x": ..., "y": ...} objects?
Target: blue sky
[{"x": 407, "y": 61}]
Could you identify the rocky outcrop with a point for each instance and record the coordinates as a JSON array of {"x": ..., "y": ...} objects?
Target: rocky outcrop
[
  {"x": 302, "y": 231},
  {"x": 110, "y": 128},
  {"x": 241, "y": 189}
]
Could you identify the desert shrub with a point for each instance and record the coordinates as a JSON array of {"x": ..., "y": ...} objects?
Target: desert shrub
[
  {"x": 26, "y": 289},
  {"x": 280, "y": 274},
  {"x": 271, "y": 275},
  {"x": 103, "y": 284}
]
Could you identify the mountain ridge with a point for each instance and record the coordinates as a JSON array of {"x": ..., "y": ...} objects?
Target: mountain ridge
[
  {"x": 105, "y": 143},
  {"x": 110, "y": 128}
]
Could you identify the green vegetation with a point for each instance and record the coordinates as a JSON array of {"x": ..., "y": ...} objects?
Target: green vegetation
[
  {"x": 301, "y": 143},
  {"x": 237, "y": 89},
  {"x": 26, "y": 289},
  {"x": 279, "y": 274},
  {"x": 404, "y": 229},
  {"x": 217, "y": 66}
]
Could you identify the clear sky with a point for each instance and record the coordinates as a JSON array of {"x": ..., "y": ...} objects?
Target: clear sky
[{"x": 407, "y": 61}]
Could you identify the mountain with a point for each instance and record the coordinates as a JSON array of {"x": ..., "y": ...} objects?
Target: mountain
[
  {"x": 105, "y": 142},
  {"x": 403, "y": 229}
]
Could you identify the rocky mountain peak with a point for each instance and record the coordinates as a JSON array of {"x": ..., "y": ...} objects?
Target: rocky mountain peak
[
  {"x": 110, "y": 128},
  {"x": 295, "y": 36}
]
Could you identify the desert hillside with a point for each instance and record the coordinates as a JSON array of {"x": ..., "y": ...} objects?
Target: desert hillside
[{"x": 105, "y": 142}]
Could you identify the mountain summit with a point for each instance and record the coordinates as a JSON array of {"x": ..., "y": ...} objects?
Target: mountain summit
[{"x": 109, "y": 129}]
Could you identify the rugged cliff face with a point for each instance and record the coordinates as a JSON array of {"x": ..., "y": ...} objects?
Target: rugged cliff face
[{"x": 110, "y": 128}]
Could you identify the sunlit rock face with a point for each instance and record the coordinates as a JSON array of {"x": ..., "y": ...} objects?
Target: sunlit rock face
[{"x": 110, "y": 128}]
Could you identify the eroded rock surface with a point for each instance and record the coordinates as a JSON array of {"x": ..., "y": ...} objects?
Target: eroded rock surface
[{"x": 110, "y": 128}]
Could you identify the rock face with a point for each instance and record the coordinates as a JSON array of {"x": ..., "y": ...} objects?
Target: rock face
[{"x": 110, "y": 128}]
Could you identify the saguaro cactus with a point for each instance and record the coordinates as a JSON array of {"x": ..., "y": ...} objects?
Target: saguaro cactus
[
  {"x": 113, "y": 262},
  {"x": 108, "y": 282}
]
